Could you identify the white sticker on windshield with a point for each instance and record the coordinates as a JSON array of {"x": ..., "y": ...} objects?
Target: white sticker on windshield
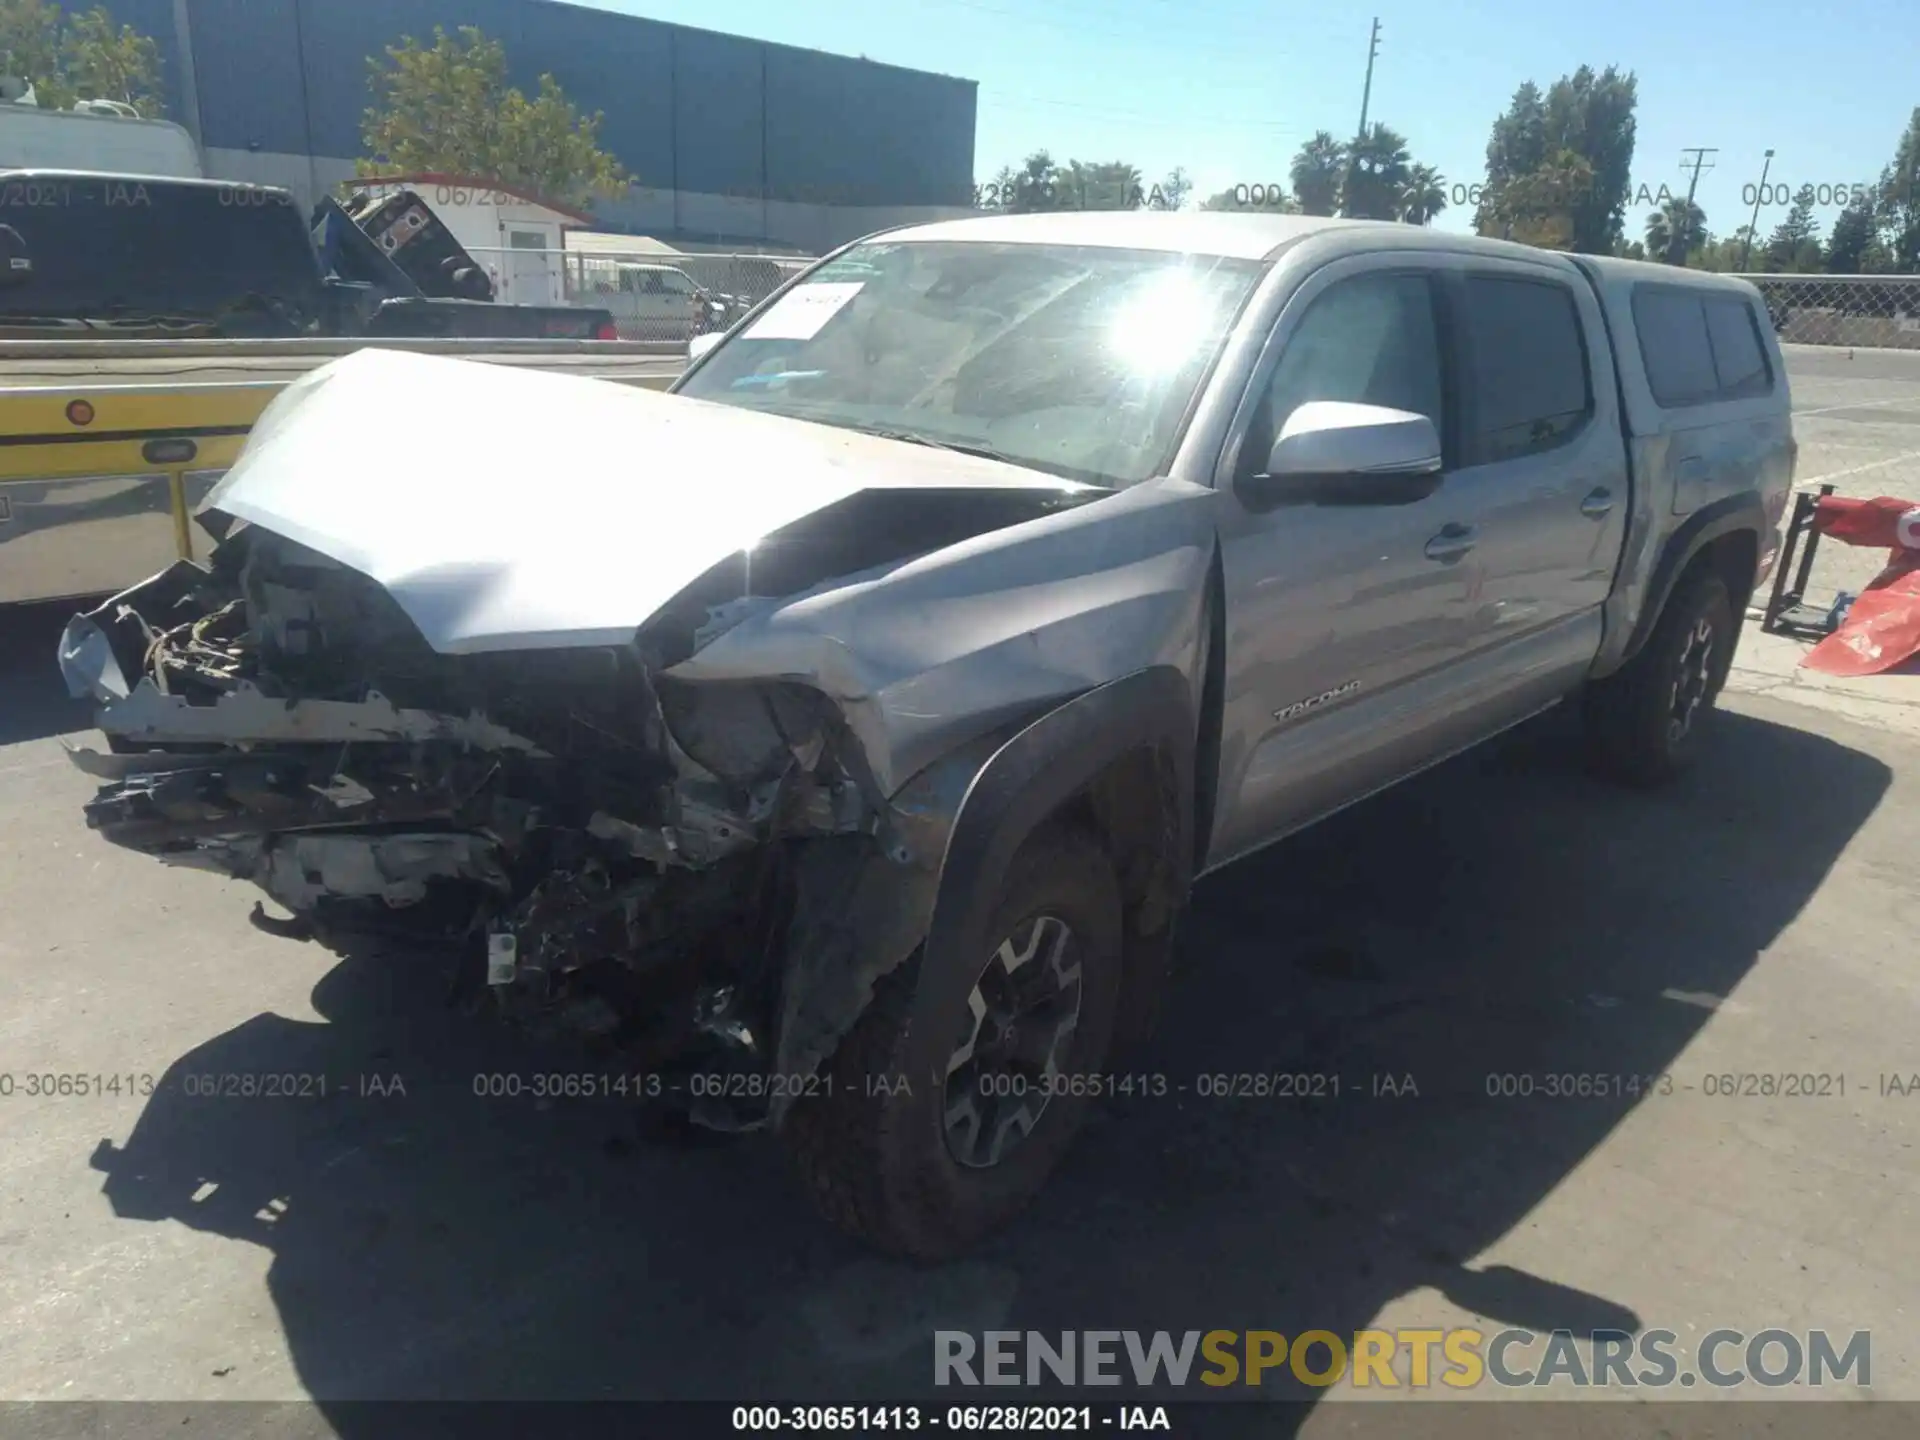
[{"x": 799, "y": 314}]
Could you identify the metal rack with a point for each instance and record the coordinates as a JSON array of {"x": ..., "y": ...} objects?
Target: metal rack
[{"x": 1787, "y": 612}]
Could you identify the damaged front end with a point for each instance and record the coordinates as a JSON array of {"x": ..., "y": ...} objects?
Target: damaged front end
[{"x": 686, "y": 871}]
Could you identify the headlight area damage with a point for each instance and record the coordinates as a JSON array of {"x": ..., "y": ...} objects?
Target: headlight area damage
[
  {"x": 672, "y": 764},
  {"x": 612, "y": 849}
]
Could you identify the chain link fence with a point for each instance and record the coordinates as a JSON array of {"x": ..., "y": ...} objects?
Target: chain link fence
[
  {"x": 1879, "y": 312},
  {"x": 661, "y": 296},
  {"x": 1856, "y": 399}
]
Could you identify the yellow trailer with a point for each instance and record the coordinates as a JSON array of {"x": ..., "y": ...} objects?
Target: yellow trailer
[{"x": 106, "y": 447}]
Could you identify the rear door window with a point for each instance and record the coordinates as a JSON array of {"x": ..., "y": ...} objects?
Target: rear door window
[
  {"x": 1738, "y": 358},
  {"x": 1698, "y": 348},
  {"x": 1529, "y": 387}
]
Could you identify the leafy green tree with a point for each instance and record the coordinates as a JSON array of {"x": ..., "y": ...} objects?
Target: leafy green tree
[
  {"x": 1592, "y": 114},
  {"x": 1516, "y": 147},
  {"x": 1722, "y": 254},
  {"x": 80, "y": 57},
  {"x": 1794, "y": 245},
  {"x": 30, "y": 48},
  {"x": 1853, "y": 246},
  {"x": 1378, "y": 168},
  {"x": 1587, "y": 114},
  {"x": 114, "y": 62},
  {"x": 447, "y": 106},
  {"x": 1424, "y": 195},
  {"x": 1538, "y": 206},
  {"x": 1318, "y": 174},
  {"x": 1031, "y": 186},
  {"x": 1675, "y": 224},
  {"x": 1899, "y": 201}
]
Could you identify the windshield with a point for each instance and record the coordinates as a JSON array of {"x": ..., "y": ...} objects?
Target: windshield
[{"x": 1079, "y": 361}]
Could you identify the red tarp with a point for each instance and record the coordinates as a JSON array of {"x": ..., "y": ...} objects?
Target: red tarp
[{"x": 1882, "y": 629}]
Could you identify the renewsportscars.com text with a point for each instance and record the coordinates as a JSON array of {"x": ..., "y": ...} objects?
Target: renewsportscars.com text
[{"x": 1459, "y": 1359}]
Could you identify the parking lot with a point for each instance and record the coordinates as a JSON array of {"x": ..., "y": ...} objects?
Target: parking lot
[
  {"x": 1857, "y": 418},
  {"x": 1503, "y": 916}
]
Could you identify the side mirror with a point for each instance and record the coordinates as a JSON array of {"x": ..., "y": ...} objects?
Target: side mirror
[
  {"x": 1332, "y": 452},
  {"x": 701, "y": 344}
]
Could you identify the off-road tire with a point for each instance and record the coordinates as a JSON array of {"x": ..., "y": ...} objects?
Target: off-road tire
[
  {"x": 874, "y": 1158},
  {"x": 1628, "y": 713}
]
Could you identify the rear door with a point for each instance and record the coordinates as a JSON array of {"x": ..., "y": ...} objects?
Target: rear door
[{"x": 1543, "y": 472}]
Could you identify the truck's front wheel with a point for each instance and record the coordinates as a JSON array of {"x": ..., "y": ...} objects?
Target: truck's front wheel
[
  {"x": 927, "y": 1139},
  {"x": 1647, "y": 722}
]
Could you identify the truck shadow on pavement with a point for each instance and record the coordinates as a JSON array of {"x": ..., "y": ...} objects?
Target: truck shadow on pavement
[
  {"x": 33, "y": 699},
  {"x": 1503, "y": 915}
]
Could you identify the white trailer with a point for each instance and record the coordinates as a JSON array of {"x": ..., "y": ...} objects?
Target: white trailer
[{"x": 118, "y": 144}]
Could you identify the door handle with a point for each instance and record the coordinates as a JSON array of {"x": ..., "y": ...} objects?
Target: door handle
[
  {"x": 1599, "y": 502},
  {"x": 1453, "y": 541}
]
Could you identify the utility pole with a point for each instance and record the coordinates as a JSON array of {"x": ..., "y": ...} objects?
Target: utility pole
[
  {"x": 1746, "y": 250},
  {"x": 1366, "y": 98},
  {"x": 1677, "y": 242}
]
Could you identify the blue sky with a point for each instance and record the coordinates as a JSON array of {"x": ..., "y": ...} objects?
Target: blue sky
[{"x": 1229, "y": 88}]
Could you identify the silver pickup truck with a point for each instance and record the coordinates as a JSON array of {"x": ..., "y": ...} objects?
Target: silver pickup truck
[{"x": 841, "y": 733}]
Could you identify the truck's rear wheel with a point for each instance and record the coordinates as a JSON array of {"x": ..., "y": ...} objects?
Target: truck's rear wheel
[
  {"x": 929, "y": 1139},
  {"x": 1648, "y": 722}
]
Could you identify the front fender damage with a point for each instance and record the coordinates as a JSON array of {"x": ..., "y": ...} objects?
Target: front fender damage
[
  {"x": 864, "y": 904},
  {"x": 700, "y": 849}
]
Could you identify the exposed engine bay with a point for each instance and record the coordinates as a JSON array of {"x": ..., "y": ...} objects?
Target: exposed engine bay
[
  {"x": 667, "y": 755},
  {"x": 600, "y": 845}
]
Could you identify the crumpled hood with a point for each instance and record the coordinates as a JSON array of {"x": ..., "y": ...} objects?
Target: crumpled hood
[{"x": 507, "y": 509}]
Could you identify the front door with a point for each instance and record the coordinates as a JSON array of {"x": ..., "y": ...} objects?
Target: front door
[{"x": 1336, "y": 614}]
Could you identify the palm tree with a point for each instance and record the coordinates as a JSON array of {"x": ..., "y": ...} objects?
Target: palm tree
[
  {"x": 1377, "y": 174},
  {"x": 1424, "y": 196},
  {"x": 1318, "y": 171},
  {"x": 1674, "y": 229}
]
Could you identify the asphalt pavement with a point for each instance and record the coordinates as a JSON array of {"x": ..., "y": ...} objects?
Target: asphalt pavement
[{"x": 401, "y": 1236}]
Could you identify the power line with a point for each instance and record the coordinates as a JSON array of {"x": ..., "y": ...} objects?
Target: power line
[
  {"x": 1746, "y": 250},
  {"x": 1366, "y": 91},
  {"x": 1366, "y": 98},
  {"x": 1683, "y": 232}
]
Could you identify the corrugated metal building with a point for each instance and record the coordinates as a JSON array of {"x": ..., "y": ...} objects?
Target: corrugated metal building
[{"x": 730, "y": 139}]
